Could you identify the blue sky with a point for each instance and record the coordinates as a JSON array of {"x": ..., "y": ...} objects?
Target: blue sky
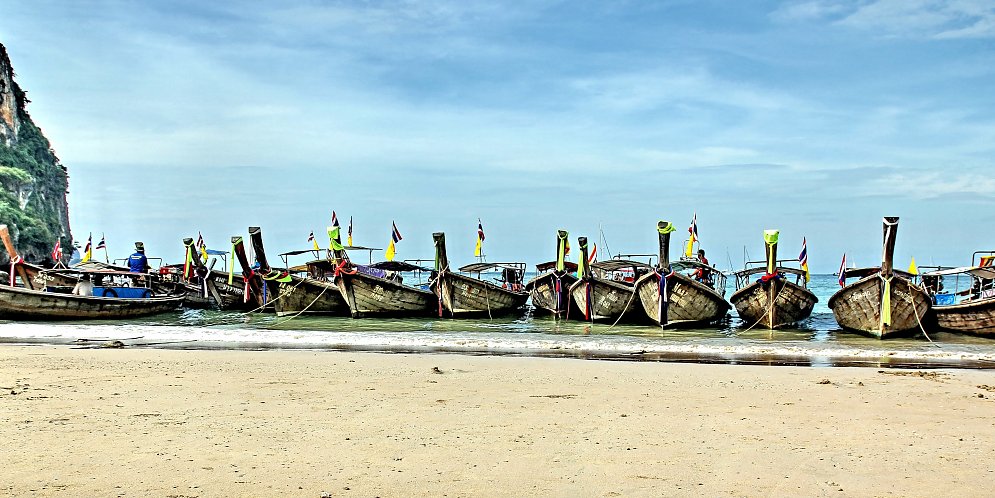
[{"x": 815, "y": 117}]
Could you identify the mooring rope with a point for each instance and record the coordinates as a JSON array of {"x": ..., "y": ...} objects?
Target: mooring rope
[{"x": 323, "y": 289}]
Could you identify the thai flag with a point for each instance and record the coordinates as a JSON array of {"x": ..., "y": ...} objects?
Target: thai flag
[
  {"x": 101, "y": 244},
  {"x": 310, "y": 238},
  {"x": 803, "y": 258},
  {"x": 480, "y": 230},
  {"x": 335, "y": 220},
  {"x": 693, "y": 229},
  {"x": 842, "y": 279},
  {"x": 396, "y": 235},
  {"x": 57, "y": 252}
]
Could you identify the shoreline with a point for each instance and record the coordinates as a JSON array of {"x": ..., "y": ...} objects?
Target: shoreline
[{"x": 140, "y": 422}]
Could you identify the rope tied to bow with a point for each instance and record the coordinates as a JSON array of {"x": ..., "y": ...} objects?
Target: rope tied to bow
[{"x": 663, "y": 294}]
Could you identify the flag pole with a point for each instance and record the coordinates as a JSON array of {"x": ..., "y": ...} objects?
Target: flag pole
[{"x": 107, "y": 257}]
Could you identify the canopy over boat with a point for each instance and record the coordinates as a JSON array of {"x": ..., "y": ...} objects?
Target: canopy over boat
[
  {"x": 398, "y": 266},
  {"x": 977, "y": 271},
  {"x": 864, "y": 272},
  {"x": 483, "y": 266},
  {"x": 619, "y": 264},
  {"x": 549, "y": 265}
]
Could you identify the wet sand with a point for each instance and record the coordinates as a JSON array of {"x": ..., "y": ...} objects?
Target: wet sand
[{"x": 126, "y": 422}]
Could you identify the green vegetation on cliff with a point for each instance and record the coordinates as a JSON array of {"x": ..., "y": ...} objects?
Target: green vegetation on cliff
[{"x": 33, "y": 184}]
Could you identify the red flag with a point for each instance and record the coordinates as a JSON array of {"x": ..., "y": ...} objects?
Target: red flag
[
  {"x": 57, "y": 252},
  {"x": 594, "y": 254}
]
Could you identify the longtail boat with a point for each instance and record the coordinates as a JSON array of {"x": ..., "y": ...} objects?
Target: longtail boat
[
  {"x": 884, "y": 302},
  {"x": 550, "y": 289},
  {"x": 376, "y": 289},
  {"x": 772, "y": 301},
  {"x": 206, "y": 287},
  {"x": 604, "y": 291},
  {"x": 295, "y": 294},
  {"x": 253, "y": 289},
  {"x": 682, "y": 293},
  {"x": 106, "y": 300},
  {"x": 964, "y": 298},
  {"x": 459, "y": 295}
]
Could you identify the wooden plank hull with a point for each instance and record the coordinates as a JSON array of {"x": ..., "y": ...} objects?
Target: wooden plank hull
[
  {"x": 857, "y": 307},
  {"x": 369, "y": 296},
  {"x": 24, "y": 304},
  {"x": 610, "y": 300},
  {"x": 977, "y": 318},
  {"x": 463, "y": 296},
  {"x": 306, "y": 296},
  {"x": 792, "y": 303},
  {"x": 690, "y": 302},
  {"x": 542, "y": 290}
]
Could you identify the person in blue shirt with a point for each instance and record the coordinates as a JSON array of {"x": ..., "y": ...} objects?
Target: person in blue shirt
[{"x": 138, "y": 263}]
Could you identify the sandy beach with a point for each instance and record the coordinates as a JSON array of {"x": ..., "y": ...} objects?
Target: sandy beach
[{"x": 105, "y": 422}]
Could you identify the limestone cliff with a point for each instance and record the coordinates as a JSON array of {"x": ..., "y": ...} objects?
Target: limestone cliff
[{"x": 33, "y": 183}]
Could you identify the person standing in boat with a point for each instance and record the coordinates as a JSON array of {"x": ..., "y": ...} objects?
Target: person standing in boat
[
  {"x": 138, "y": 263},
  {"x": 703, "y": 275}
]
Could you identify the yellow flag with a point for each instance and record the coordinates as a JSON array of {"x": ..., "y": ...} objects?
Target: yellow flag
[
  {"x": 689, "y": 252},
  {"x": 913, "y": 269},
  {"x": 476, "y": 252},
  {"x": 203, "y": 253},
  {"x": 389, "y": 253},
  {"x": 86, "y": 257}
]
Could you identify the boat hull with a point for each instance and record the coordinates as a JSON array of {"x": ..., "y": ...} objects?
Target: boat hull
[
  {"x": 25, "y": 304},
  {"x": 369, "y": 296},
  {"x": 610, "y": 300},
  {"x": 690, "y": 302},
  {"x": 792, "y": 303},
  {"x": 461, "y": 296},
  {"x": 545, "y": 299},
  {"x": 857, "y": 307},
  {"x": 306, "y": 296},
  {"x": 977, "y": 318}
]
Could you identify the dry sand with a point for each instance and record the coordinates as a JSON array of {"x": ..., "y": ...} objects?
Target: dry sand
[{"x": 298, "y": 423}]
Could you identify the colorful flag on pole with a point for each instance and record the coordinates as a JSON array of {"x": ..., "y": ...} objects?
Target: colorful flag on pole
[
  {"x": 313, "y": 241},
  {"x": 335, "y": 220},
  {"x": 57, "y": 251},
  {"x": 480, "y": 238},
  {"x": 803, "y": 258},
  {"x": 987, "y": 261},
  {"x": 88, "y": 250},
  {"x": 349, "y": 238},
  {"x": 594, "y": 254},
  {"x": 101, "y": 244},
  {"x": 693, "y": 236},
  {"x": 395, "y": 237},
  {"x": 842, "y": 279},
  {"x": 913, "y": 269},
  {"x": 201, "y": 247}
]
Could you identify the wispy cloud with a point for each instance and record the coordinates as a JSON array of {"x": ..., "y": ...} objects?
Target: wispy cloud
[{"x": 937, "y": 19}]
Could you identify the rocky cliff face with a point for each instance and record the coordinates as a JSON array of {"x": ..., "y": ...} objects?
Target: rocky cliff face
[{"x": 33, "y": 183}]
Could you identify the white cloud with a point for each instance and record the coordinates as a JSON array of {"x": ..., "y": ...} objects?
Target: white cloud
[{"x": 926, "y": 18}]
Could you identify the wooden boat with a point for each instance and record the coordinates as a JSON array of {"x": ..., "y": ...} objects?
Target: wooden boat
[
  {"x": 602, "y": 292},
  {"x": 671, "y": 295},
  {"x": 460, "y": 295},
  {"x": 295, "y": 294},
  {"x": 28, "y": 273},
  {"x": 550, "y": 289},
  {"x": 773, "y": 300},
  {"x": 376, "y": 290},
  {"x": 27, "y": 304},
  {"x": 883, "y": 302},
  {"x": 963, "y": 298},
  {"x": 205, "y": 287}
]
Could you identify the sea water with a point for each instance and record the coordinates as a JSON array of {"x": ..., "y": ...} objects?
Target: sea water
[{"x": 817, "y": 341}]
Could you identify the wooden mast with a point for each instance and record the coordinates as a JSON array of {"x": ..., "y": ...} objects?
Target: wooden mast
[
  {"x": 441, "y": 260},
  {"x": 256, "y": 238},
  {"x": 770, "y": 248},
  {"x": 585, "y": 272},
  {"x": 664, "y": 228},
  {"x": 890, "y": 235},
  {"x": 561, "y": 249},
  {"x": 254, "y": 287}
]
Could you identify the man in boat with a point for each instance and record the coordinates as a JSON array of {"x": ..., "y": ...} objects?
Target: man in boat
[
  {"x": 138, "y": 263},
  {"x": 701, "y": 274},
  {"x": 84, "y": 287}
]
